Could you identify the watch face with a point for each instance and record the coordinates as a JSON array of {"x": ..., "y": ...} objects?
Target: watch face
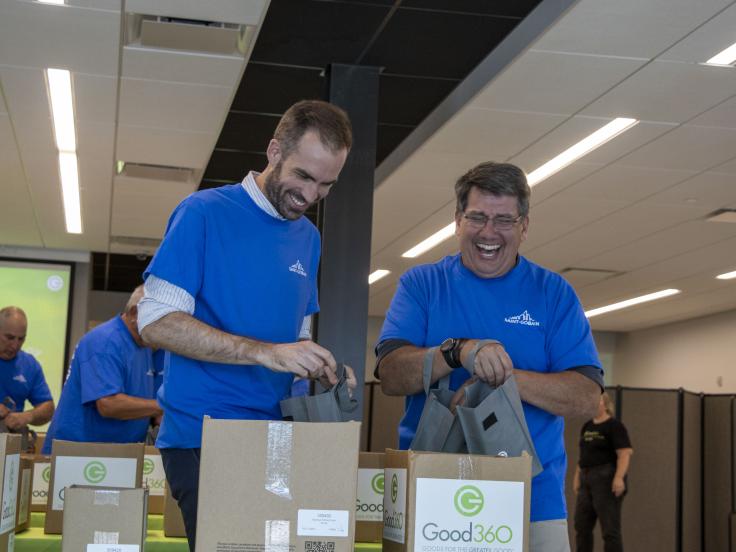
[{"x": 447, "y": 344}]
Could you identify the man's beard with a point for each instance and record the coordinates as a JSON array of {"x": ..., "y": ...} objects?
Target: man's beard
[{"x": 273, "y": 189}]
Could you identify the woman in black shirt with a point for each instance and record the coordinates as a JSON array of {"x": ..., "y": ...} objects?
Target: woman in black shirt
[{"x": 599, "y": 482}]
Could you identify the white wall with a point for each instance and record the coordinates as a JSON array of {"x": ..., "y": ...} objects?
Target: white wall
[
  {"x": 606, "y": 343},
  {"x": 698, "y": 355}
]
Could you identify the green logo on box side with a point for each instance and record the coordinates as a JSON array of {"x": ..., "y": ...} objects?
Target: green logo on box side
[
  {"x": 394, "y": 488},
  {"x": 95, "y": 472},
  {"x": 147, "y": 466},
  {"x": 469, "y": 501},
  {"x": 46, "y": 474},
  {"x": 377, "y": 483}
]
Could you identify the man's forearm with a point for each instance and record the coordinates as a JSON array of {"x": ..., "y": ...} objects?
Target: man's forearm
[
  {"x": 42, "y": 413},
  {"x": 623, "y": 457},
  {"x": 566, "y": 393},
  {"x": 126, "y": 407},
  {"x": 184, "y": 335},
  {"x": 401, "y": 370}
]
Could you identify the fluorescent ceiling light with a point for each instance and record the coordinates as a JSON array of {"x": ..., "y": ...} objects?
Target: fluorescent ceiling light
[
  {"x": 585, "y": 146},
  {"x": 58, "y": 2},
  {"x": 377, "y": 275},
  {"x": 70, "y": 191},
  {"x": 726, "y": 57},
  {"x": 62, "y": 108},
  {"x": 431, "y": 241},
  {"x": 727, "y": 275},
  {"x": 631, "y": 302}
]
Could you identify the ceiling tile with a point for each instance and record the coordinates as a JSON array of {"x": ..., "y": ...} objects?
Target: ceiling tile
[
  {"x": 705, "y": 41},
  {"x": 712, "y": 190},
  {"x": 225, "y": 11},
  {"x": 723, "y": 115},
  {"x": 571, "y": 81},
  {"x": 667, "y": 92},
  {"x": 137, "y": 144}
]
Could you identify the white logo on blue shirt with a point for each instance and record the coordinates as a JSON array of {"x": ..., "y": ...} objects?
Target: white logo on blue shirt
[
  {"x": 21, "y": 378},
  {"x": 150, "y": 372},
  {"x": 298, "y": 268},
  {"x": 524, "y": 318}
]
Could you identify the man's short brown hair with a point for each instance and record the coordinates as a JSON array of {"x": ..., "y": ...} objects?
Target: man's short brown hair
[{"x": 329, "y": 121}]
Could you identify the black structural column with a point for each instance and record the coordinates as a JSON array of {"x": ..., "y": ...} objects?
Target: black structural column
[{"x": 345, "y": 222}]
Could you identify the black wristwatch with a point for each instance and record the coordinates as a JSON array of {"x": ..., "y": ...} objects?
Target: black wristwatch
[{"x": 450, "y": 349}]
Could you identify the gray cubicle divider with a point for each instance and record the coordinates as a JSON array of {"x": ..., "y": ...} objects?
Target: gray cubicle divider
[
  {"x": 692, "y": 473},
  {"x": 572, "y": 446},
  {"x": 650, "y": 518},
  {"x": 718, "y": 471}
]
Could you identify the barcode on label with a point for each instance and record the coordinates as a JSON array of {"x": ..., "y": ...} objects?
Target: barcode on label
[{"x": 319, "y": 546}]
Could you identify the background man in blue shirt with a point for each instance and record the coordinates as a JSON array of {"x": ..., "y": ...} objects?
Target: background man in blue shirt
[
  {"x": 21, "y": 376},
  {"x": 231, "y": 289},
  {"x": 488, "y": 291},
  {"x": 109, "y": 394}
]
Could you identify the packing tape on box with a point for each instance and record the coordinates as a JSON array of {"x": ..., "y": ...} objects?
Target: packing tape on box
[
  {"x": 278, "y": 459},
  {"x": 106, "y": 497},
  {"x": 106, "y": 537},
  {"x": 276, "y": 537},
  {"x": 465, "y": 468}
]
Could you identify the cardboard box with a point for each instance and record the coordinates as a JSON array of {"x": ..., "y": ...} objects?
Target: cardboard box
[
  {"x": 23, "y": 504},
  {"x": 40, "y": 438},
  {"x": 369, "y": 503},
  {"x": 296, "y": 480},
  {"x": 173, "y": 520},
  {"x": 104, "y": 519},
  {"x": 40, "y": 485},
  {"x": 154, "y": 479},
  {"x": 96, "y": 464},
  {"x": 455, "y": 502},
  {"x": 9, "y": 466}
]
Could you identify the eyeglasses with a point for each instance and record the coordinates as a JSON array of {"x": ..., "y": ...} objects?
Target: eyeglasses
[{"x": 479, "y": 220}]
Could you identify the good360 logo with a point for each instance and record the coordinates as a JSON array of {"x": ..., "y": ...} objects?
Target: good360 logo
[
  {"x": 148, "y": 466},
  {"x": 377, "y": 483},
  {"x": 394, "y": 488},
  {"x": 468, "y": 501},
  {"x": 95, "y": 472},
  {"x": 46, "y": 474}
]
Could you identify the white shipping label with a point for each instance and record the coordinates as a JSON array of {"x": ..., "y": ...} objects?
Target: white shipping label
[
  {"x": 113, "y": 548},
  {"x": 41, "y": 476},
  {"x": 369, "y": 505},
  {"x": 394, "y": 505},
  {"x": 10, "y": 492},
  {"x": 323, "y": 523},
  {"x": 25, "y": 486},
  {"x": 153, "y": 474},
  {"x": 455, "y": 515},
  {"x": 88, "y": 470}
]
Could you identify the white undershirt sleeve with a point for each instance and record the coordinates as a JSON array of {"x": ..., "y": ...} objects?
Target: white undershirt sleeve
[{"x": 161, "y": 298}]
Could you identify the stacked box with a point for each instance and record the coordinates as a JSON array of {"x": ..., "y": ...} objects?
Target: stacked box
[
  {"x": 25, "y": 490},
  {"x": 10, "y": 468},
  {"x": 369, "y": 504},
  {"x": 455, "y": 502},
  {"x": 154, "y": 479}
]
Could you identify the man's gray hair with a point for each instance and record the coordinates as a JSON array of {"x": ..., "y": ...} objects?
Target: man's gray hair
[{"x": 499, "y": 179}]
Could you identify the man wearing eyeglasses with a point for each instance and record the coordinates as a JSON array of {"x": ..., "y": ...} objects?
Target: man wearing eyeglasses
[{"x": 490, "y": 292}]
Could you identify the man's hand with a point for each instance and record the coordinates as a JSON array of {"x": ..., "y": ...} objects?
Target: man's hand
[
  {"x": 492, "y": 363},
  {"x": 16, "y": 421},
  {"x": 303, "y": 358},
  {"x": 618, "y": 486},
  {"x": 4, "y": 411}
]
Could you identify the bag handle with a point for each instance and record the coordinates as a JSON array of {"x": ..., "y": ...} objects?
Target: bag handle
[
  {"x": 444, "y": 383},
  {"x": 342, "y": 394}
]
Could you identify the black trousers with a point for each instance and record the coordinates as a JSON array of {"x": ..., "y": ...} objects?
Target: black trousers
[
  {"x": 182, "y": 475},
  {"x": 596, "y": 501}
]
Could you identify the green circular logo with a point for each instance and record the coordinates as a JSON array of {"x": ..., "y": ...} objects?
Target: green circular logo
[
  {"x": 46, "y": 474},
  {"x": 377, "y": 483},
  {"x": 95, "y": 471},
  {"x": 468, "y": 500},
  {"x": 147, "y": 466},
  {"x": 394, "y": 488}
]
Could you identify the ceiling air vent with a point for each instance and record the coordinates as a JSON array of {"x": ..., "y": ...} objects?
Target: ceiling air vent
[
  {"x": 722, "y": 215},
  {"x": 581, "y": 277},
  {"x": 154, "y": 172},
  {"x": 189, "y": 35}
]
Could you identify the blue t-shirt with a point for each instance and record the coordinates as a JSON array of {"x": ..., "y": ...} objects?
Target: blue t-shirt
[
  {"x": 537, "y": 317},
  {"x": 107, "y": 361},
  {"x": 22, "y": 380},
  {"x": 250, "y": 275}
]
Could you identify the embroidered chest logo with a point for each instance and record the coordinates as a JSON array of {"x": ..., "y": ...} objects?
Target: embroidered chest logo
[
  {"x": 524, "y": 318},
  {"x": 21, "y": 378},
  {"x": 298, "y": 268}
]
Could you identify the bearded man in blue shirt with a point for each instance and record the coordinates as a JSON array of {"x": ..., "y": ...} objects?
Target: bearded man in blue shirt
[
  {"x": 490, "y": 292},
  {"x": 230, "y": 292}
]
